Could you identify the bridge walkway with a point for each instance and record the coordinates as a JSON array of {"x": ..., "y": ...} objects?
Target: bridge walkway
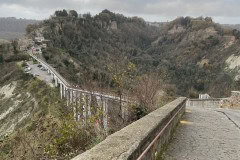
[{"x": 206, "y": 134}]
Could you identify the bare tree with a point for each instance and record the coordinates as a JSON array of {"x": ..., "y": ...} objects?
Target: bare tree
[{"x": 147, "y": 89}]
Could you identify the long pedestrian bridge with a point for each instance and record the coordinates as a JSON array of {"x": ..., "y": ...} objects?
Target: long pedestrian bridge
[{"x": 81, "y": 100}]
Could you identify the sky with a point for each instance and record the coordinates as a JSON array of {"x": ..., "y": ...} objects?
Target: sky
[{"x": 222, "y": 11}]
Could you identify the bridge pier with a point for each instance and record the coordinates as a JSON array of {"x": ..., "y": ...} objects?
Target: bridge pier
[
  {"x": 74, "y": 97},
  {"x": 124, "y": 106},
  {"x": 56, "y": 81},
  {"x": 84, "y": 108},
  {"x": 77, "y": 107},
  {"x": 61, "y": 90},
  {"x": 64, "y": 91},
  {"x": 68, "y": 96},
  {"x": 52, "y": 75},
  {"x": 105, "y": 114},
  {"x": 89, "y": 96}
]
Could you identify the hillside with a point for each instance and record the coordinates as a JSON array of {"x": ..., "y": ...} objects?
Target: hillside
[
  {"x": 11, "y": 27},
  {"x": 192, "y": 52},
  {"x": 35, "y": 122},
  {"x": 233, "y": 26},
  {"x": 112, "y": 53}
]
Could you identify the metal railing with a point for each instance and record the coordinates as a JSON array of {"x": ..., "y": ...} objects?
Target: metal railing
[{"x": 152, "y": 147}]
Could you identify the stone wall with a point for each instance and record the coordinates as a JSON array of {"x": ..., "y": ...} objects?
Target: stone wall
[
  {"x": 205, "y": 103},
  {"x": 130, "y": 142},
  {"x": 233, "y": 101}
]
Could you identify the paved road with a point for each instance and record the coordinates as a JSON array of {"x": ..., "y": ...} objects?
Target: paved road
[
  {"x": 42, "y": 75},
  {"x": 206, "y": 134}
]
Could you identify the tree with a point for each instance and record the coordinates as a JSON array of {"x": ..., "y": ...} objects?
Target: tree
[
  {"x": 30, "y": 28},
  {"x": 236, "y": 33},
  {"x": 73, "y": 13},
  {"x": 60, "y": 13},
  {"x": 146, "y": 90},
  {"x": 15, "y": 46},
  {"x": 123, "y": 75},
  {"x": 1, "y": 58}
]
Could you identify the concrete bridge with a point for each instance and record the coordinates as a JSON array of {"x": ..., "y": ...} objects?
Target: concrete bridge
[
  {"x": 205, "y": 131},
  {"x": 81, "y": 100}
]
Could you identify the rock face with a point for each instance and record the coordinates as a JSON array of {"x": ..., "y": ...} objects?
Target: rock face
[
  {"x": 114, "y": 25},
  {"x": 233, "y": 63},
  {"x": 229, "y": 41},
  {"x": 15, "y": 107},
  {"x": 176, "y": 29}
]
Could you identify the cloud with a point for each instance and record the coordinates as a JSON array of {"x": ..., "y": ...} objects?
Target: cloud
[{"x": 222, "y": 10}]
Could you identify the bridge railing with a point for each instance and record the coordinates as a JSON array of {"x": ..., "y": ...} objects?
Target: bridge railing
[
  {"x": 70, "y": 87},
  {"x": 205, "y": 103},
  {"x": 51, "y": 69},
  {"x": 143, "y": 139}
]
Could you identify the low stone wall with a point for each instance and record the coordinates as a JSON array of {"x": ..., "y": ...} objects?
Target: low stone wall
[
  {"x": 130, "y": 142},
  {"x": 206, "y": 103},
  {"x": 233, "y": 101}
]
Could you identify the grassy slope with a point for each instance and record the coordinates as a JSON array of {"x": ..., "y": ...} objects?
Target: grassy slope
[{"x": 34, "y": 133}]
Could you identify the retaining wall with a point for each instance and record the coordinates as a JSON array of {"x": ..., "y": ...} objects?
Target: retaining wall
[{"x": 130, "y": 142}]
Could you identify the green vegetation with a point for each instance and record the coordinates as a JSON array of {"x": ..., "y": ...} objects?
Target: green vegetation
[
  {"x": 191, "y": 51},
  {"x": 49, "y": 131},
  {"x": 109, "y": 53}
]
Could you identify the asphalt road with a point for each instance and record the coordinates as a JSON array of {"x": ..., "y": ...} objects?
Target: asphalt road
[
  {"x": 42, "y": 75},
  {"x": 206, "y": 134}
]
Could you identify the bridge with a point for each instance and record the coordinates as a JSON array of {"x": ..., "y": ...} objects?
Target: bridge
[
  {"x": 206, "y": 130},
  {"x": 185, "y": 129},
  {"x": 81, "y": 99}
]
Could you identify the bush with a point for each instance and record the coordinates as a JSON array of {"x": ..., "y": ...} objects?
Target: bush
[
  {"x": 74, "y": 137},
  {"x": 18, "y": 57},
  {"x": 193, "y": 93}
]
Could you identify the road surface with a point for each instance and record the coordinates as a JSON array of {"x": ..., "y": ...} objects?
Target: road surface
[
  {"x": 206, "y": 134},
  {"x": 42, "y": 75}
]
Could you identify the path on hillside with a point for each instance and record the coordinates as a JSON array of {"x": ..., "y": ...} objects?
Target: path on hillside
[{"x": 206, "y": 134}]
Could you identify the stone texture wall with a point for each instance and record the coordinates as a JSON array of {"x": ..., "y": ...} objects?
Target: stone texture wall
[
  {"x": 233, "y": 101},
  {"x": 205, "y": 103},
  {"x": 131, "y": 141}
]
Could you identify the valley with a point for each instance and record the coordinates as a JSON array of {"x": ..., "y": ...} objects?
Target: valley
[{"x": 75, "y": 80}]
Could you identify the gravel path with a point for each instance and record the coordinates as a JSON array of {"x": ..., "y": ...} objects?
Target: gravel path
[{"x": 206, "y": 134}]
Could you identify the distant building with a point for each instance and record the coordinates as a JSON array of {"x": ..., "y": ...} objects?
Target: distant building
[
  {"x": 204, "y": 96},
  {"x": 36, "y": 50},
  {"x": 39, "y": 39}
]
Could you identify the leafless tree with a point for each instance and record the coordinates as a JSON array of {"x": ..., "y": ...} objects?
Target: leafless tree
[{"x": 147, "y": 89}]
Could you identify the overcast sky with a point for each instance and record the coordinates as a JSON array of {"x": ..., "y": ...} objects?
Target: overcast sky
[{"x": 222, "y": 11}]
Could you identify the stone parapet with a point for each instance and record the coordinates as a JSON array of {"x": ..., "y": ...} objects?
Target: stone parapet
[{"x": 130, "y": 142}]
